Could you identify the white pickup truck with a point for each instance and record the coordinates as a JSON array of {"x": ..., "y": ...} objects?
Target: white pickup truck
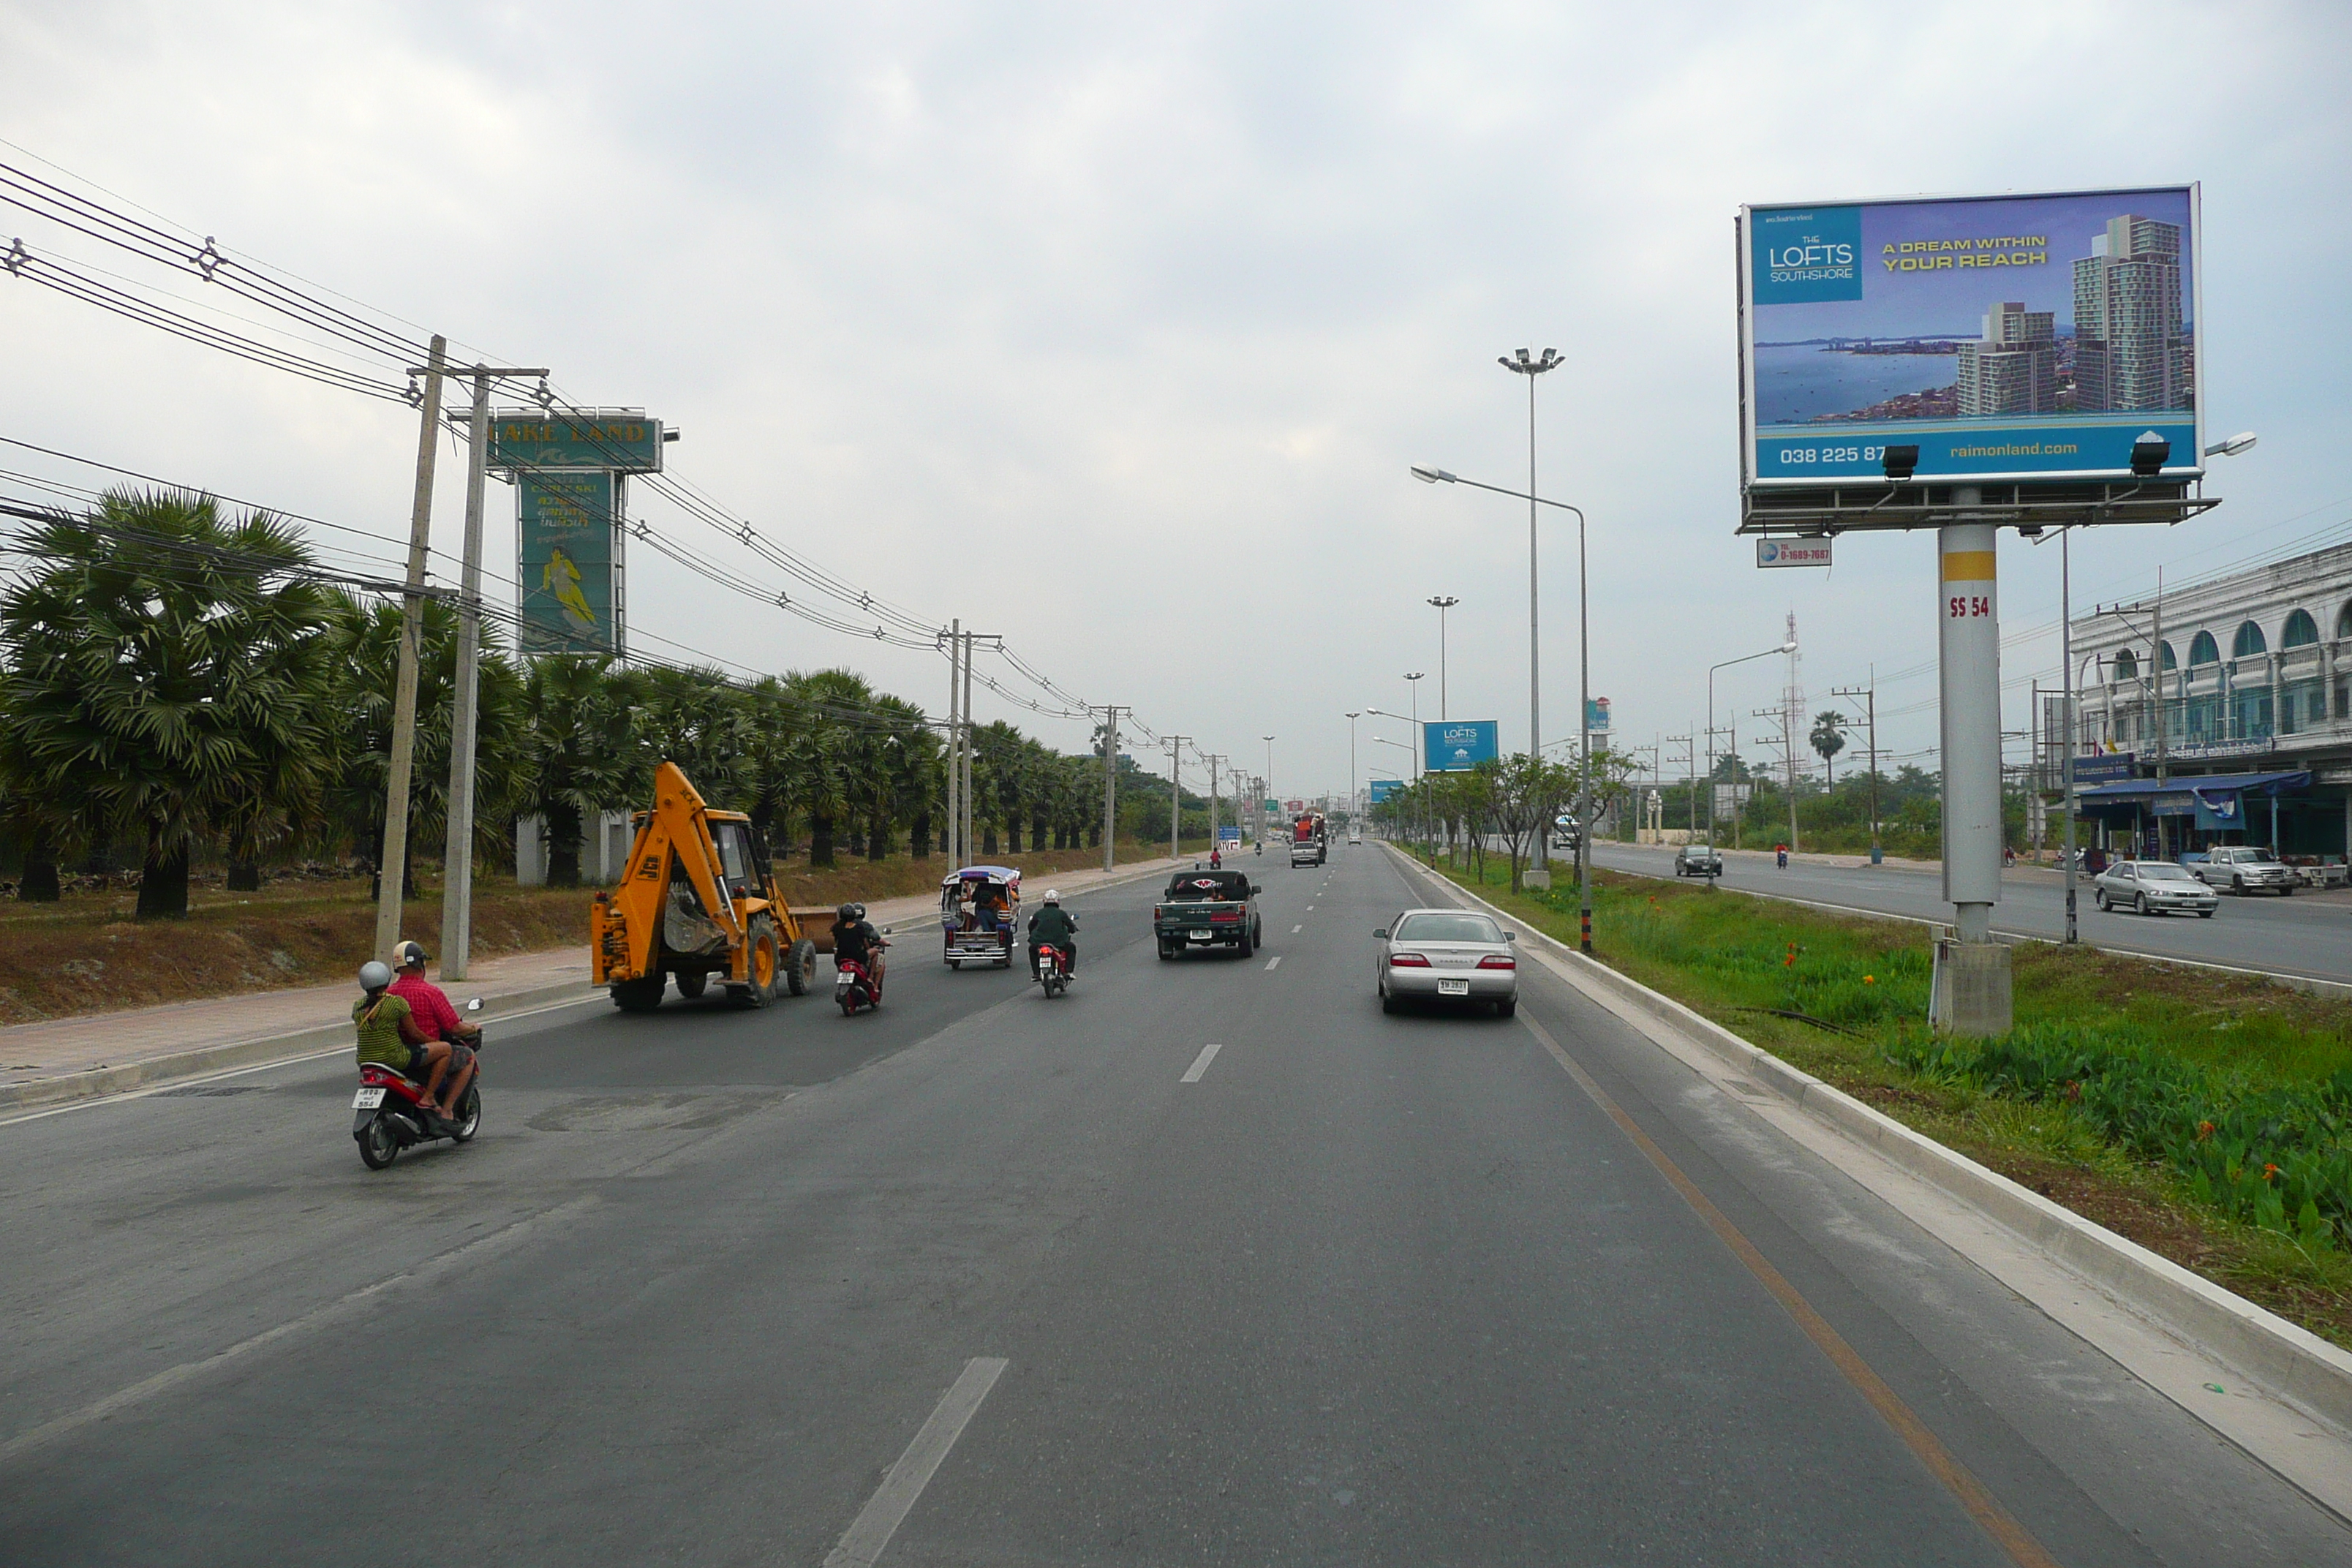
[{"x": 2246, "y": 869}]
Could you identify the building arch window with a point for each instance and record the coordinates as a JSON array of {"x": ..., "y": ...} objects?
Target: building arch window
[
  {"x": 2300, "y": 631},
  {"x": 2203, "y": 649},
  {"x": 2247, "y": 642},
  {"x": 2344, "y": 621},
  {"x": 2127, "y": 665},
  {"x": 2164, "y": 659}
]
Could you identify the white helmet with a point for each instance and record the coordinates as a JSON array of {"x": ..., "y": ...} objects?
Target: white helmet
[
  {"x": 374, "y": 975},
  {"x": 1052, "y": 895}
]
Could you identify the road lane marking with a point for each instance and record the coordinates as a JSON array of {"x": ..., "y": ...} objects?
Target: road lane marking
[
  {"x": 887, "y": 1509},
  {"x": 1200, "y": 1064},
  {"x": 1310, "y": 908},
  {"x": 1995, "y": 1521},
  {"x": 1272, "y": 961},
  {"x": 1295, "y": 930},
  {"x": 172, "y": 1378}
]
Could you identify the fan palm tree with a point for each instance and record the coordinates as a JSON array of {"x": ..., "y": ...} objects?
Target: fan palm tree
[
  {"x": 166, "y": 678},
  {"x": 1829, "y": 739},
  {"x": 823, "y": 759},
  {"x": 586, "y": 751}
]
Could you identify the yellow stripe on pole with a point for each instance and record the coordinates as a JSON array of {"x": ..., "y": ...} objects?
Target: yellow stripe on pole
[{"x": 1968, "y": 566}]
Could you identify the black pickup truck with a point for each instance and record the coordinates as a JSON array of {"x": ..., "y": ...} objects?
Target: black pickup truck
[{"x": 1207, "y": 908}]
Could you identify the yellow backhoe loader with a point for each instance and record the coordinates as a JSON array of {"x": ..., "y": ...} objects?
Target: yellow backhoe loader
[{"x": 696, "y": 900}]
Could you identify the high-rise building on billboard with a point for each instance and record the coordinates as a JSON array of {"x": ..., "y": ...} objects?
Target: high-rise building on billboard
[
  {"x": 2131, "y": 345},
  {"x": 2014, "y": 370}
]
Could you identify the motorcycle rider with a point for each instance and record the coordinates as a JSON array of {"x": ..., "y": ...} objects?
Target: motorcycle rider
[
  {"x": 429, "y": 1004},
  {"x": 389, "y": 1036},
  {"x": 1053, "y": 926},
  {"x": 855, "y": 941}
]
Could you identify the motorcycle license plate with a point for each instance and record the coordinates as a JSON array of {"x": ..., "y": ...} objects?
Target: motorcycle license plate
[
  {"x": 368, "y": 1098},
  {"x": 1454, "y": 988}
]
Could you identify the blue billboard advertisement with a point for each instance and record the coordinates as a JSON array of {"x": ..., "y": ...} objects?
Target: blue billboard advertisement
[
  {"x": 2026, "y": 337},
  {"x": 1452, "y": 745},
  {"x": 1383, "y": 788}
]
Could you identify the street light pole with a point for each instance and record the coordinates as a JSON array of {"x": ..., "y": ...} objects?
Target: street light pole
[
  {"x": 1443, "y": 601},
  {"x": 1532, "y": 367},
  {"x": 1428, "y": 817},
  {"x": 1351, "y": 760},
  {"x": 1265, "y": 786},
  {"x": 1727, "y": 664}
]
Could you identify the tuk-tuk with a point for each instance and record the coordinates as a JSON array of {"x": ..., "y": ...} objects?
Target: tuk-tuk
[{"x": 980, "y": 911}]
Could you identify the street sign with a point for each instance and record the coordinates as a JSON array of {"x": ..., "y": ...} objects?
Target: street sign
[
  {"x": 530, "y": 439},
  {"x": 1274, "y": 806},
  {"x": 1456, "y": 745},
  {"x": 1229, "y": 835},
  {"x": 1294, "y": 806},
  {"x": 1596, "y": 715},
  {"x": 2107, "y": 767},
  {"x": 1383, "y": 788},
  {"x": 2030, "y": 337},
  {"x": 1792, "y": 553},
  {"x": 564, "y": 528}
]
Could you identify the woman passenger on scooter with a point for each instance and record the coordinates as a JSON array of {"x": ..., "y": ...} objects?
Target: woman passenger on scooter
[{"x": 388, "y": 1035}]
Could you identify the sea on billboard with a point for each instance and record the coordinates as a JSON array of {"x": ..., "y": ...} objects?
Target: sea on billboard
[
  {"x": 1792, "y": 553},
  {"x": 1383, "y": 788},
  {"x": 1453, "y": 746},
  {"x": 2006, "y": 337}
]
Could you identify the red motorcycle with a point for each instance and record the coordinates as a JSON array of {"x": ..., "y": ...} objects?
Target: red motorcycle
[
  {"x": 854, "y": 986},
  {"x": 388, "y": 1113}
]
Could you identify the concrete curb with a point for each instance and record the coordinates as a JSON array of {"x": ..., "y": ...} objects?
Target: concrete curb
[
  {"x": 2291, "y": 1363},
  {"x": 98, "y": 1081}
]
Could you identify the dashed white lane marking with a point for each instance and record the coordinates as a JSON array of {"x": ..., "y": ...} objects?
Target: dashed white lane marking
[
  {"x": 1272, "y": 961},
  {"x": 1310, "y": 908},
  {"x": 1295, "y": 930},
  {"x": 887, "y": 1509},
  {"x": 1200, "y": 1064}
]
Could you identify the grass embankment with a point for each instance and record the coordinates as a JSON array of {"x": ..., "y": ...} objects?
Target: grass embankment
[
  {"x": 2207, "y": 1117},
  {"x": 85, "y": 954}
]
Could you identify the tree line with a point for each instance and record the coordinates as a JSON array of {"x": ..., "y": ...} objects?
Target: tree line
[{"x": 191, "y": 685}]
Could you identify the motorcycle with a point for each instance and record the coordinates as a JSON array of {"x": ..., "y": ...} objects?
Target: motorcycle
[
  {"x": 388, "y": 1113},
  {"x": 1050, "y": 972},
  {"x": 853, "y": 987}
]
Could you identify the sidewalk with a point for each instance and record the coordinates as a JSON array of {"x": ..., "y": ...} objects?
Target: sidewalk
[{"x": 61, "y": 1059}]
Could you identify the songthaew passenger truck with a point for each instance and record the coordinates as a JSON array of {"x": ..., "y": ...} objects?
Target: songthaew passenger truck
[
  {"x": 1308, "y": 839},
  {"x": 697, "y": 901}
]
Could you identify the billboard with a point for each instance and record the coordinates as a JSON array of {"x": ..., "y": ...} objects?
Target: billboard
[
  {"x": 1596, "y": 715},
  {"x": 1452, "y": 746},
  {"x": 1383, "y": 788},
  {"x": 564, "y": 526},
  {"x": 629, "y": 444},
  {"x": 1792, "y": 553},
  {"x": 2022, "y": 337}
]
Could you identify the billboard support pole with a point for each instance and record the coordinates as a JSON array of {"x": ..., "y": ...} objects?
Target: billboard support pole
[{"x": 1971, "y": 992}]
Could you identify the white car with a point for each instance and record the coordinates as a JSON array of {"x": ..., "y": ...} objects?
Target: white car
[
  {"x": 1447, "y": 955},
  {"x": 2153, "y": 888}
]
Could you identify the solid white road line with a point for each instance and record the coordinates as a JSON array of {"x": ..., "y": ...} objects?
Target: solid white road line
[
  {"x": 1200, "y": 1064},
  {"x": 887, "y": 1509},
  {"x": 1272, "y": 961}
]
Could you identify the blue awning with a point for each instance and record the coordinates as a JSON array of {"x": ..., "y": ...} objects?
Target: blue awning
[{"x": 2181, "y": 795}]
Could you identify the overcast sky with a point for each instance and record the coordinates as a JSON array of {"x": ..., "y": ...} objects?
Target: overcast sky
[{"x": 1115, "y": 328}]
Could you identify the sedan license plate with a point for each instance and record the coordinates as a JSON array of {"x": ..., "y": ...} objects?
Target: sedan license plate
[
  {"x": 1454, "y": 988},
  {"x": 368, "y": 1098}
]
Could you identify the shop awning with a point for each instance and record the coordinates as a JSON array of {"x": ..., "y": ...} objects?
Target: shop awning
[{"x": 2211, "y": 799}]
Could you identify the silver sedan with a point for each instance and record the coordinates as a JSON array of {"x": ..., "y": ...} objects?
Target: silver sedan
[
  {"x": 1447, "y": 955},
  {"x": 2153, "y": 888}
]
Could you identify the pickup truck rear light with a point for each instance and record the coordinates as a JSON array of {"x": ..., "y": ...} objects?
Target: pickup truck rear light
[
  {"x": 1498, "y": 960},
  {"x": 1229, "y": 915},
  {"x": 1407, "y": 960}
]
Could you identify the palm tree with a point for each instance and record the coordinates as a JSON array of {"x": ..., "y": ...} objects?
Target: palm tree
[
  {"x": 167, "y": 679},
  {"x": 586, "y": 751},
  {"x": 823, "y": 759},
  {"x": 1829, "y": 739}
]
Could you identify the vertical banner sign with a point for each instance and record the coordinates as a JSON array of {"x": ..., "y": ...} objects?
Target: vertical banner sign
[
  {"x": 1596, "y": 714},
  {"x": 1969, "y": 649},
  {"x": 566, "y": 535}
]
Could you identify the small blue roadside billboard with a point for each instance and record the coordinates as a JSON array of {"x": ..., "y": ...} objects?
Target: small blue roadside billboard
[
  {"x": 1455, "y": 745},
  {"x": 1383, "y": 788}
]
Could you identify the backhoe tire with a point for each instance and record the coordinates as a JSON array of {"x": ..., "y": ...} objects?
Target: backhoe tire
[
  {"x": 639, "y": 995},
  {"x": 800, "y": 967},
  {"x": 692, "y": 985},
  {"x": 765, "y": 969}
]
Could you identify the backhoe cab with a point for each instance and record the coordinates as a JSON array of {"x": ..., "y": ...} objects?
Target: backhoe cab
[{"x": 696, "y": 898}]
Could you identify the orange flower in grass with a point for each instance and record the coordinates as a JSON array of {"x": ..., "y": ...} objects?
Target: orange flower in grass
[
  {"x": 2269, "y": 1172},
  {"x": 2204, "y": 1131}
]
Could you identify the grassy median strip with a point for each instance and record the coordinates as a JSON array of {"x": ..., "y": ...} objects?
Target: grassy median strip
[{"x": 2207, "y": 1117}]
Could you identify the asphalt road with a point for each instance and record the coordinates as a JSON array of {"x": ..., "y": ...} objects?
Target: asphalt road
[
  {"x": 2309, "y": 934},
  {"x": 1365, "y": 1289}
]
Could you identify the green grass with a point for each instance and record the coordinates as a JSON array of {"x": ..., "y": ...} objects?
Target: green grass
[{"x": 2207, "y": 1116}]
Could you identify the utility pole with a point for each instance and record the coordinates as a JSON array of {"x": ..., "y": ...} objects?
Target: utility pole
[
  {"x": 1265, "y": 784},
  {"x": 956, "y": 857},
  {"x": 1211, "y": 758},
  {"x": 2066, "y": 718},
  {"x": 1690, "y": 762},
  {"x": 1781, "y": 713},
  {"x": 1110, "y": 779},
  {"x": 392, "y": 868},
  {"x": 1869, "y": 694},
  {"x": 458, "y": 851},
  {"x": 1176, "y": 795},
  {"x": 961, "y": 781}
]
